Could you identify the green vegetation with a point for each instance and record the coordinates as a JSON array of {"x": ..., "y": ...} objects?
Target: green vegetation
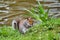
[
  {"x": 48, "y": 29},
  {"x": 39, "y": 13},
  {"x": 42, "y": 32}
]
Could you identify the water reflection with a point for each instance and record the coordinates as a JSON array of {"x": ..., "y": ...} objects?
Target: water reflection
[
  {"x": 15, "y": 8},
  {"x": 4, "y": 11},
  {"x": 3, "y": 5}
]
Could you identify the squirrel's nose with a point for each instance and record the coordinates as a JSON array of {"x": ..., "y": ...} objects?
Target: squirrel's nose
[{"x": 29, "y": 26}]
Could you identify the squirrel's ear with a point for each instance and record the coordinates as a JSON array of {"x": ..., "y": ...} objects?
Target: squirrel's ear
[{"x": 28, "y": 18}]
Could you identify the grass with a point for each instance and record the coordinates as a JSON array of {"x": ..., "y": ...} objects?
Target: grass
[
  {"x": 39, "y": 13},
  {"x": 36, "y": 32}
]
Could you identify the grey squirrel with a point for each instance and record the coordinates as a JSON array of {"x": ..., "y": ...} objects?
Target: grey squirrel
[{"x": 22, "y": 25}]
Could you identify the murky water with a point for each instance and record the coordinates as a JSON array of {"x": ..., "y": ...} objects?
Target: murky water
[{"x": 10, "y": 9}]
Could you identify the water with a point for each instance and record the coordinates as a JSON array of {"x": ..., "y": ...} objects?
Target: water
[{"x": 10, "y": 9}]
